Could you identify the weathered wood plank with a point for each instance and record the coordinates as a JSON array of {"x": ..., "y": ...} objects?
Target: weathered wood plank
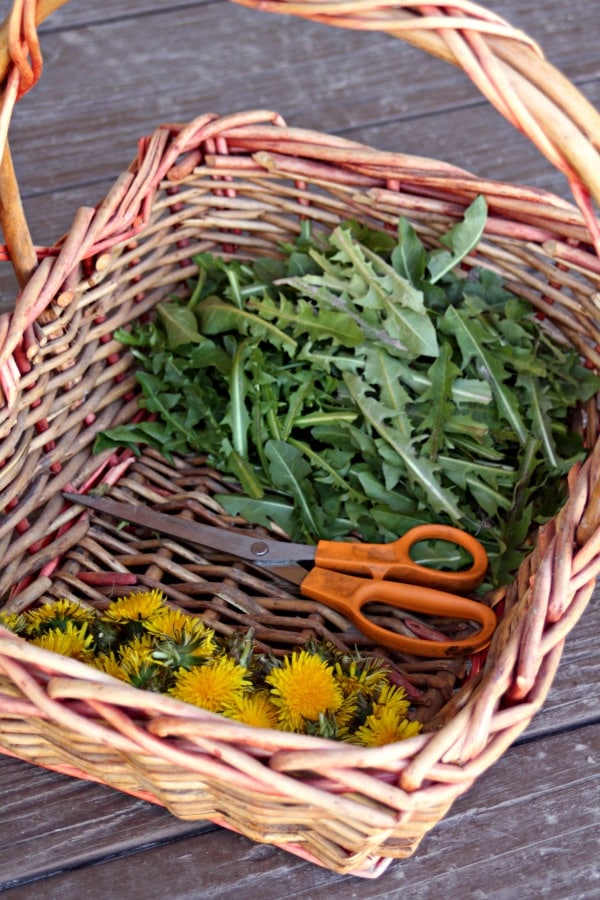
[
  {"x": 50, "y": 822},
  {"x": 517, "y": 833},
  {"x": 77, "y": 13}
]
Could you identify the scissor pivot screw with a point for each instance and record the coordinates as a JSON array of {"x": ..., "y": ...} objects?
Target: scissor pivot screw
[{"x": 259, "y": 548}]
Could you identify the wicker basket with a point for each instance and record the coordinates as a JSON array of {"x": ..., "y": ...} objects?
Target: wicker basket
[{"x": 239, "y": 185}]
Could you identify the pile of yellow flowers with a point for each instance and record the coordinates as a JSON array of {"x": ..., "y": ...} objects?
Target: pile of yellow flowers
[{"x": 141, "y": 640}]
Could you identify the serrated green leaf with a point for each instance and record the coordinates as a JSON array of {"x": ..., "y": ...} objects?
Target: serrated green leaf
[
  {"x": 323, "y": 470},
  {"x": 216, "y": 316},
  {"x": 265, "y": 511},
  {"x": 405, "y": 317},
  {"x": 438, "y": 397},
  {"x": 158, "y": 401},
  {"x": 295, "y": 403},
  {"x": 120, "y": 436},
  {"x": 471, "y": 390},
  {"x": 475, "y": 449},
  {"x": 490, "y": 500},
  {"x": 302, "y": 318},
  {"x": 237, "y": 415},
  {"x": 459, "y": 470},
  {"x": 418, "y": 470},
  {"x": 473, "y": 342},
  {"x": 476, "y": 429},
  {"x": 540, "y": 406},
  {"x": 247, "y": 476},
  {"x": 381, "y": 242},
  {"x": 206, "y": 354},
  {"x": 394, "y": 501},
  {"x": 300, "y": 263},
  {"x": 371, "y": 329},
  {"x": 383, "y": 372},
  {"x": 440, "y": 555},
  {"x": 408, "y": 257}
]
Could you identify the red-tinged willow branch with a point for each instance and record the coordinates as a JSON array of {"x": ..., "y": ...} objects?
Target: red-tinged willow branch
[
  {"x": 19, "y": 48},
  {"x": 58, "y": 712},
  {"x": 558, "y": 631},
  {"x": 19, "y": 28},
  {"x": 13, "y": 222},
  {"x": 26, "y": 313}
]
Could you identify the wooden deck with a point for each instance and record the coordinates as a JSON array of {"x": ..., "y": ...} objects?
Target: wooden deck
[{"x": 115, "y": 70}]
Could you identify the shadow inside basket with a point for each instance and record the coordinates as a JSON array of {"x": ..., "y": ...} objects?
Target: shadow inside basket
[{"x": 112, "y": 559}]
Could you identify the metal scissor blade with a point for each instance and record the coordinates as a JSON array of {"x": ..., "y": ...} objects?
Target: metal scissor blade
[{"x": 262, "y": 552}]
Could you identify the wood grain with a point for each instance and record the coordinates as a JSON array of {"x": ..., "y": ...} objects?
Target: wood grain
[{"x": 77, "y": 822}]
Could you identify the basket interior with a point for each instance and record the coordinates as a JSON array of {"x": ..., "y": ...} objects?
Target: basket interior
[{"x": 238, "y": 198}]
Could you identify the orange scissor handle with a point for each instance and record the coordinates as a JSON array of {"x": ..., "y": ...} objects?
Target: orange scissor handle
[
  {"x": 348, "y": 595},
  {"x": 393, "y": 561}
]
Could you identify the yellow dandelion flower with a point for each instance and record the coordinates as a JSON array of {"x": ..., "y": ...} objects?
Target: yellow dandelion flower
[
  {"x": 137, "y": 607},
  {"x": 346, "y": 711},
  {"x": 183, "y": 641},
  {"x": 141, "y": 644},
  {"x": 108, "y": 663},
  {"x": 169, "y": 622},
  {"x": 213, "y": 686},
  {"x": 71, "y": 641},
  {"x": 137, "y": 665},
  {"x": 386, "y": 728},
  {"x": 58, "y": 615},
  {"x": 257, "y": 710},
  {"x": 13, "y": 621},
  {"x": 391, "y": 697},
  {"x": 137, "y": 652},
  {"x": 365, "y": 677},
  {"x": 302, "y": 689}
]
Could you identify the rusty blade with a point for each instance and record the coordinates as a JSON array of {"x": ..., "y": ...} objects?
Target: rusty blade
[{"x": 271, "y": 554}]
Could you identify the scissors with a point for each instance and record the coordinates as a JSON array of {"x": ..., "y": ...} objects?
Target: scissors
[{"x": 347, "y": 576}]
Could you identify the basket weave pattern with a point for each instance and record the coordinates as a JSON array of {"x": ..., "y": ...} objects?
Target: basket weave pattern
[{"x": 239, "y": 185}]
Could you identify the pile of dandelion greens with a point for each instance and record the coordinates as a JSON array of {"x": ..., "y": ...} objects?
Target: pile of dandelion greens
[
  {"x": 140, "y": 640},
  {"x": 363, "y": 384}
]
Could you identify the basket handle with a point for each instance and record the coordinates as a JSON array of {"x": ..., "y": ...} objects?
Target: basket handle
[
  {"x": 20, "y": 69},
  {"x": 505, "y": 64}
]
